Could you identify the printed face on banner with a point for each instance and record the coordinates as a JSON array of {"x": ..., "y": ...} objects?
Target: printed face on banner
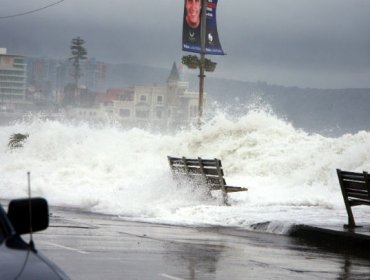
[
  {"x": 193, "y": 8},
  {"x": 191, "y": 33}
]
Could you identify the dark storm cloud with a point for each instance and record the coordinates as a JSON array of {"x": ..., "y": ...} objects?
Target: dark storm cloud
[
  {"x": 323, "y": 43},
  {"x": 309, "y": 43}
]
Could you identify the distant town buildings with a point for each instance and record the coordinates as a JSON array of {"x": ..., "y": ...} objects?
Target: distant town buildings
[
  {"x": 42, "y": 84},
  {"x": 50, "y": 76},
  {"x": 164, "y": 107},
  {"x": 12, "y": 81}
]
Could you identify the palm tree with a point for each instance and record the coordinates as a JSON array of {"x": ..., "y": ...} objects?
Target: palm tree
[{"x": 16, "y": 140}]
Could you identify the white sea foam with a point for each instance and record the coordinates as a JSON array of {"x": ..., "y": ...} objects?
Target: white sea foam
[{"x": 290, "y": 174}]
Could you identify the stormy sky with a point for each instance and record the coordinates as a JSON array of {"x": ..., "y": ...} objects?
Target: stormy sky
[{"x": 305, "y": 43}]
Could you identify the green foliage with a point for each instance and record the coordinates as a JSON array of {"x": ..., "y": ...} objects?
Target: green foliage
[
  {"x": 16, "y": 140},
  {"x": 193, "y": 62},
  {"x": 209, "y": 65}
]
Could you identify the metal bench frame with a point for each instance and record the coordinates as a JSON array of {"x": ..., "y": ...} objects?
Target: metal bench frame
[
  {"x": 355, "y": 190},
  {"x": 208, "y": 172}
]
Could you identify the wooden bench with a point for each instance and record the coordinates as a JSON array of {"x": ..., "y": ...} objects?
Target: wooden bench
[
  {"x": 355, "y": 190},
  {"x": 208, "y": 172}
]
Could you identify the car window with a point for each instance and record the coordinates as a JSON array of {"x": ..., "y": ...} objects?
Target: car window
[
  {"x": 3, "y": 223},
  {"x": 1, "y": 235}
]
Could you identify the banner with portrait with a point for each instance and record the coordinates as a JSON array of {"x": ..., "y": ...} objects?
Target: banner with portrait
[{"x": 191, "y": 34}]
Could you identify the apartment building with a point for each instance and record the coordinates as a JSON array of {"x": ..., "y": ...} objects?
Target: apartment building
[{"x": 12, "y": 81}]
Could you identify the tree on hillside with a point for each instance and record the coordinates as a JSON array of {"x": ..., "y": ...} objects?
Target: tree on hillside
[{"x": 79, "y": 53}]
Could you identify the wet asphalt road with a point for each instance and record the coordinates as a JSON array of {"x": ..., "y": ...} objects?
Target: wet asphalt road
[{"x": 90, "y": 246}]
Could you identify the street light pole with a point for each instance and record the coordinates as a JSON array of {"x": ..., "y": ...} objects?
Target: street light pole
[{"x": 202, "y": 59}]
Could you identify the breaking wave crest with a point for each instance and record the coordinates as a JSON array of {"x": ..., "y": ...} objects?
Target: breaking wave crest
[{"x": 290, "y": 174}]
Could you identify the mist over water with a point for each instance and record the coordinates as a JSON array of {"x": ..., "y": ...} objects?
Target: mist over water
[{"x": 290, "y": 174}]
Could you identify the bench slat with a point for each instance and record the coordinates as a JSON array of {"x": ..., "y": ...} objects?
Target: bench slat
[
  {"x": 358, "y": 178},
  {"x": 192, "y": 162},
  {"x": 356, "y": 202},
  {"x": 358, "y": 187},
  {"x": 235, "y": 189},
  {"x": 212, "y": 171},
  {"x": 352, "y": 175},
  {"x": 228, "y": 189},
  {"x": 192, "y": 169},
  {"x": 205, "y": 162},
  {"x": 183, "y": 169},
  {"x": 361, "y": 195},
  {"x": 355, "y": 186}
]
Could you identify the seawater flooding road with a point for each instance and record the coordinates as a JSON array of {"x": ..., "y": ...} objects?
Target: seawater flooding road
[{"x": 90, "y": 246}]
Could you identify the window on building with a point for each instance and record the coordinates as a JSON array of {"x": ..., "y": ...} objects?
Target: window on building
[
  {"x": 127, "y": 96},
  {"x": 159, "y": 114},
  {"x": 18, "y": 60},
  {"x": 124, "y": 113},
  {"x": 142, "y": 114},
  {"x": 11, "y": 72},
  {"x": 159, "y": 99},
  {"x": 10, "y": 78},
  {"x": 143, "y": 98}
]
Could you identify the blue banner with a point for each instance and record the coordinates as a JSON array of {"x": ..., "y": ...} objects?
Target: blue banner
[{"x": 192, "y": 25}]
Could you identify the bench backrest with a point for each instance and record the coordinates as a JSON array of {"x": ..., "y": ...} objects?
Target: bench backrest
[
  {"x": 355, "y": 186},
  {"x": 201, "y": 171}
]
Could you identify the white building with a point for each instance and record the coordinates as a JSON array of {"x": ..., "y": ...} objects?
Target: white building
[
  {"x": 155, "y": 107},
  {"x": 12, "y": 81},
  {"x": 169, "y": 106}
]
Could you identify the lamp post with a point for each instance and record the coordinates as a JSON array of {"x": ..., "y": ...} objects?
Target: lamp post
[
  {"x": 199, "y": 46},
  {"x": 202, "y": 61}
]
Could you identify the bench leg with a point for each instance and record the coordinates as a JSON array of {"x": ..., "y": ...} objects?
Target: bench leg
[
  {"x": 351, "y": 220},
  {"x": 225, "y": 197}
]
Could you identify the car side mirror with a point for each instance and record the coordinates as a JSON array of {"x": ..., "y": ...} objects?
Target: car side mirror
[{"x": 28, "y": 214}]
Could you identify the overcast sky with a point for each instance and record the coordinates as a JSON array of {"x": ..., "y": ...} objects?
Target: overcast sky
[{"x": 306, "y": 43}]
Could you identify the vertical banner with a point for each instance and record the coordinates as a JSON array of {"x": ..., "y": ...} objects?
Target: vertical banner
[
  {"x": 213, "y": 45},
  {"x": 191, "y": 41}
]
